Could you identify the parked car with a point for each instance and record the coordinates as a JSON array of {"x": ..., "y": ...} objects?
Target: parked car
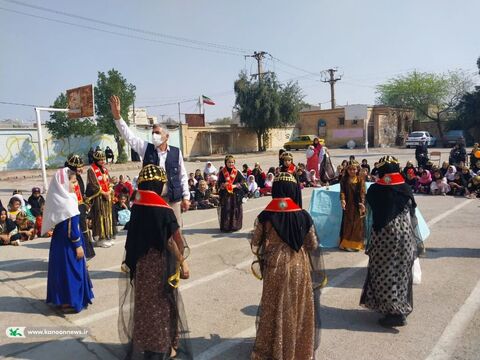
[
  {"x": 418, "y": 137},
  {"x": 451, "y": 137},
  {"x": 301, "y": 142}
]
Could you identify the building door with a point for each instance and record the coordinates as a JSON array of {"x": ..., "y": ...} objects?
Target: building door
[{"x": 371, "y": 133}]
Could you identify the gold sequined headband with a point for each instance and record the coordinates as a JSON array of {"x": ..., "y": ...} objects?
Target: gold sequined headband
[
  {"x": 99, "y": 155},
  {"x": 75, "y": 161},
  {"x": 287, "y": 156},
  {"x": 387, "y": 160},
  {"x": 152, "y": 173}
]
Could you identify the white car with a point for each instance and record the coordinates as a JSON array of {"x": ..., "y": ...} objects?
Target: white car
[{"x": 418, "y": 137}]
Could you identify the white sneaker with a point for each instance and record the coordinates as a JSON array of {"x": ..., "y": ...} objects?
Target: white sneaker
[
  {"x": 111, "y": 242},
  {"x": 102, "y": 244},
  {"x": 16, "y": 243}
]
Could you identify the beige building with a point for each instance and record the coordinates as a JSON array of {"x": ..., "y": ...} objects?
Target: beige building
[
  {"x": 223, "y": 139},
  {"x": 141, "y": 117},
  {"x": 387, "y": 126}
]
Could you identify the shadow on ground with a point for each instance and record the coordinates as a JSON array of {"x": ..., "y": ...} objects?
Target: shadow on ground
[
  {"x": 436, "y": 253},
  {"x": 352, "y": 320},
  {"x": 85, "y": 349}
]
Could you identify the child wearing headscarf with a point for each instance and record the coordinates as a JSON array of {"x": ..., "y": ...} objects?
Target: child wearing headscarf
[
  {"x": 36, "y": 201},
  {"x": 439, "y": 184},
  {"x": 68, "y": 285},
  {"x": 424, "y": 181},
  {"x": 252, "y": 187},
  {"x": 410, "y": 175},
  {"x": 209, "y": 171},
  {"x": 450, "y": 174},
  {"x": 313, "y": 181},
  {"x": 267, "y": 189},
  {"x": 8, "y": 228}
]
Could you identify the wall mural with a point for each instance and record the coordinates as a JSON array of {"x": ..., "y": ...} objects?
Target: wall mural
[{"x": 19, "y": 148}]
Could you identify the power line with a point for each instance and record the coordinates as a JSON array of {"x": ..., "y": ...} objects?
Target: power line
[
  {"x": 171, "y": 103},
  {"x": 119, "y": 33},
  {"x": 129, "y": 28},
  {"x": 298, "y": 68},
  {"x": 18, "y": 104}
]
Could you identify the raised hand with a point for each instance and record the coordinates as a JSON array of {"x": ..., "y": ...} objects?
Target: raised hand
[{"x": 115, "y": 107}]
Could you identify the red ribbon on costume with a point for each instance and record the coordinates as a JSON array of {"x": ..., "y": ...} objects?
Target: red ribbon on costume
[
  {"x": 229, "y": 178},
  {"x": 282, "y": 205},
  {"x": 102, "y": 178},
  {"x": 391, "y": 179},
  {"x": 149, "y": 198},
  {"x": 78, "y": 193},
  {"x": 291, "y": 169}
]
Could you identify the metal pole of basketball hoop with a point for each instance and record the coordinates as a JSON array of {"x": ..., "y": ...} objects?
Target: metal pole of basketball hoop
[{"x": 40, "y": 142}]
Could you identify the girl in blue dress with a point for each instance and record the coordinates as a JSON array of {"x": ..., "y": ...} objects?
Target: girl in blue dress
[{"x": 69, "y": 285}]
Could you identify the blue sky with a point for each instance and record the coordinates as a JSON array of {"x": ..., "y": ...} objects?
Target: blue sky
[{"x": 369, "y": 41}]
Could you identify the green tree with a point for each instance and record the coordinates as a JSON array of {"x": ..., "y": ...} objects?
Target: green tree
[
  {"x": 266, "y": 104},
  {"x": 468, "y": 111},
  {"x": 61, "y": 127},
  {"x": 432, "y": 96},
  {"x": 113, "y": 83}
]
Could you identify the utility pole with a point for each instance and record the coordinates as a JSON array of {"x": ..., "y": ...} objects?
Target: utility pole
[
  {"x": 259, "y": 56},
  {"x": 332, "y": 82},
  {"x": 179, "y": 114}
]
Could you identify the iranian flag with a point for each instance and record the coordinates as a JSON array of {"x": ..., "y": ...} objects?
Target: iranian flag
[{"x": 207, "y": 100}]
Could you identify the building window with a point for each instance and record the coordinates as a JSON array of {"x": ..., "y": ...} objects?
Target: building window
[
  {"x": 354, "y": 122},
  {"x": 341, "y": 121}
]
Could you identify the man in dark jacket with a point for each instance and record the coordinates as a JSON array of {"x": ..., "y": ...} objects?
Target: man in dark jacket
[{"x": 421, "y": 154}]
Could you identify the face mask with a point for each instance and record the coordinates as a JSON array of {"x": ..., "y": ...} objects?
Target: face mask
[{"x": 158, "y": 140}]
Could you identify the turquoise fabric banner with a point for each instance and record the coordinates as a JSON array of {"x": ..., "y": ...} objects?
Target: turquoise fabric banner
[{"x": 327, "y": 216}]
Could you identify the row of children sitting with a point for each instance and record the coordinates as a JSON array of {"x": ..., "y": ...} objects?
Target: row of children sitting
[
  {"x": 21, "y": 220},
  {"x": 446, "y": 180}
]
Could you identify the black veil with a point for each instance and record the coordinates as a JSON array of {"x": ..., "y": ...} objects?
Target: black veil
[
  {"x": 150, "y": 233},
  {"x": 292, "y": 227}
]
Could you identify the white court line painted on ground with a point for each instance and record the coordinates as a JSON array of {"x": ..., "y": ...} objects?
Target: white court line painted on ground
[
  {"x": 226, "y": 345},
  {"x": 18, "y": 262},
  {"x": 44, "y": 283},
  {"x": 237, "y": 339},
  {"x": 104, "y": 314},
  {"x": 452, "y": 334}
]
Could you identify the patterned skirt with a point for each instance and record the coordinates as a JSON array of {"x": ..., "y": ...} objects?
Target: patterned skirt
[{"x": 388, "y": 286}]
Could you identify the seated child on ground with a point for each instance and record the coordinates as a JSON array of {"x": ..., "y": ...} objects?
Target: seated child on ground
[
  {"x": 7, "y": 229},
  {"x": 204, "y": 199},
  {"x": 25, "y": 228}
]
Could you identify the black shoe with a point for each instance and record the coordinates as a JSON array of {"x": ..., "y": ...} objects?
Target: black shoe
[
  {"x": 393, "y": 320},
  {"x": 421, "y": 251}
]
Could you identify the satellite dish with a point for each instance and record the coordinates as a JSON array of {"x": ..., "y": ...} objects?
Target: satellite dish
[{"x": 351, "y": 144}]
